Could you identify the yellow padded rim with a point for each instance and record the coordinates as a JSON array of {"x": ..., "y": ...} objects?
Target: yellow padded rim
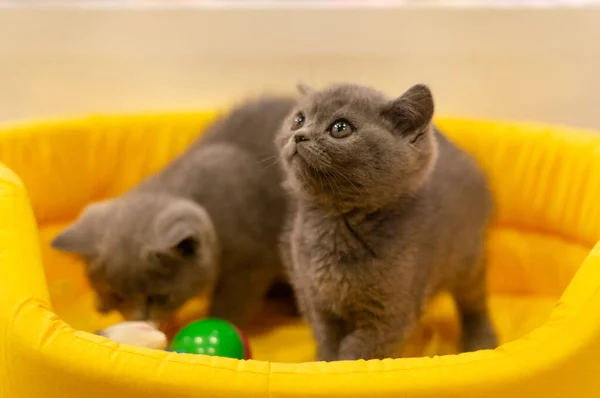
[{"x": 546, "y": 180}]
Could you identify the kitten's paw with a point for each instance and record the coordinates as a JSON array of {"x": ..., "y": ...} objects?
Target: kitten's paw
[
  {"x": 478, "y": 333},
  {"x": 327, "y": 355}
]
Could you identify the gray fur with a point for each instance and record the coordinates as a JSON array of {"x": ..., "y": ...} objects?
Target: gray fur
[
  {"x": 209, "y": 220},
  {"x": 384, "y": 218}
]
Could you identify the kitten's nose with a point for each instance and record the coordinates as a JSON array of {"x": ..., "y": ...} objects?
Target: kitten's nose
[{"x": 300, "y": 137}]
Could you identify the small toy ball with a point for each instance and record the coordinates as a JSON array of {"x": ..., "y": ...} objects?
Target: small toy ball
[
  {"x": 212, "y": 337},
  {"x": 141, "y": 334}
]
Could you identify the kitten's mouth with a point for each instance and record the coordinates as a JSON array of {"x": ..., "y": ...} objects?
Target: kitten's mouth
[
  {"x": 298, "y": 157},
  {"x": 303, "y": 166},
  {"x": 291, "y": 153},
  {"x": 305, "y": 163},
  {"x": 307, "y": 158},
  {"x": 302, "y": 151}
]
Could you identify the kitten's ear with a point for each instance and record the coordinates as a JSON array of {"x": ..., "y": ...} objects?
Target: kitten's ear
[
  {"x": 412, "y": 111},
  {"x": 179, "y": 228},
  {"x": 183, "y": 245},
  {"x": 81, "y": 237},
  {"x": 177, "y": 246},
  {"x": 304, "y": 89}
]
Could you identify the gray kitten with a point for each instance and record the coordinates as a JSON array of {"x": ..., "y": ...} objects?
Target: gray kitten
[
  {"x": 387, "y": 213},
  {"x": 209, "y": 220}
]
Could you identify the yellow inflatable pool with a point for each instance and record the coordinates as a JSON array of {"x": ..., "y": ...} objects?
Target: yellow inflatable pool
[{"x": 544, "y": 278}]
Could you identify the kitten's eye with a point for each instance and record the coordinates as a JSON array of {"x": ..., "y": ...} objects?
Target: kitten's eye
[
  {"x": 341, "y": 128},
  {"x": 298, "y": 120}
]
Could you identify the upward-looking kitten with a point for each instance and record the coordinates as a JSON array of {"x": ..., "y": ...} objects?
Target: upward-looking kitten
[
  {"x": 209, "y": 220},
  {"x": 387, "y": 213}
]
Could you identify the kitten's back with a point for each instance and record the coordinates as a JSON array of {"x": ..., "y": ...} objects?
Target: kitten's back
[
  {"x": 251, "y": 125},
  {"x": 232, "y": 172},
  {"x": 456, "y": 209},
  {"x": 459, "y": 181}
]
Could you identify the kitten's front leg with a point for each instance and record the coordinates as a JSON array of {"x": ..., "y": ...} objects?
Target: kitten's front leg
[
  {"x": 376, "y": 338},
  {"x": 328, "y": 331},
  {"x": 478, "y": 332},
  {"x": 238, "y": 297}
]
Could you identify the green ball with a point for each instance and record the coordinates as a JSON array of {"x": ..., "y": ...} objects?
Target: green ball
[{"x": 211, "y": 337}]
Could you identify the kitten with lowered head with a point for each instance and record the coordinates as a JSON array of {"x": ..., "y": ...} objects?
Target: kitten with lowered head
[
  {"x": 387, "y": 212},
  {"x": 209, "y": 221}
]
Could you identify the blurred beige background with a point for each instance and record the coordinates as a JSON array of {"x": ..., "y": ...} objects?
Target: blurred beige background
[{"x": 526, "y": 63}]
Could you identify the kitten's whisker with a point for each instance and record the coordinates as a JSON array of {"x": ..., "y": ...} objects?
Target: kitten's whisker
[
  {"x": 332, "y": 186},
  {"x": 362, "y": 186},
  {"x": 335, "y": 187},
  {"x": 268, "y": 159},
  {"x": 324, "y": 182},
  {"x": 346, "y": 178},
  {"x": 269, "y": 162}
]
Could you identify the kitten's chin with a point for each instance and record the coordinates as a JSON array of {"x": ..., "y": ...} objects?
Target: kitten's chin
[
  {"x": 304, "y": 162},
  {"x": 297, "y": 162},
  {"x": 302, "y": 171},
  {"x": 294, "y": 164},
  {"x": 309, "y": 180}
]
